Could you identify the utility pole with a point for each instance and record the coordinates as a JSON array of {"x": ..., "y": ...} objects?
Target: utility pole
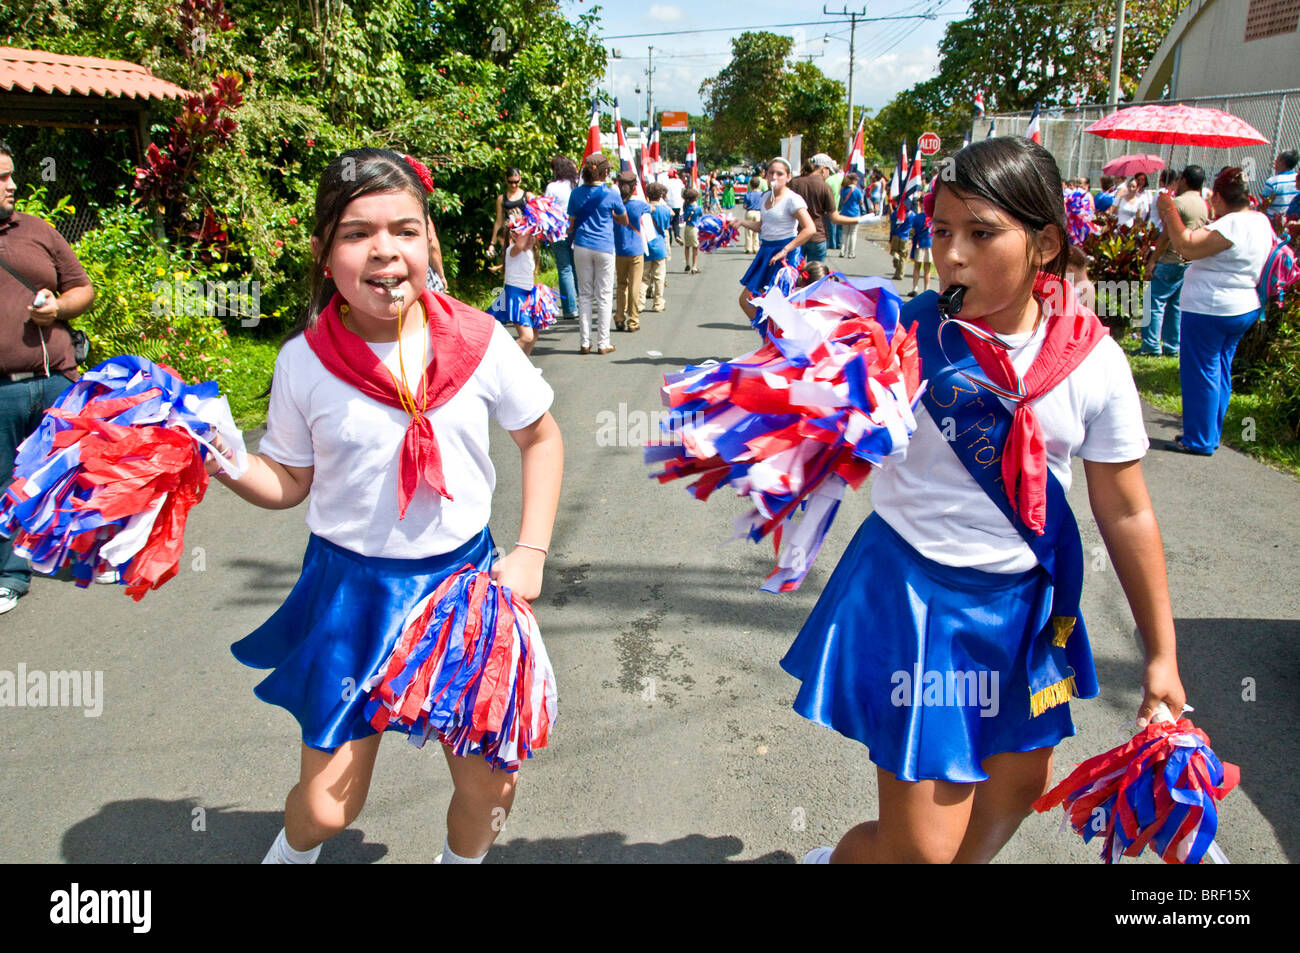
[
  {"x": 1117, "y": 54},
  {"x": 853, "y": 31},
  {"x": 650, "y": 88}
]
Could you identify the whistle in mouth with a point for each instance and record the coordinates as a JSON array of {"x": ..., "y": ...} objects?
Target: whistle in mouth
[{"x": 950, "y": 300}]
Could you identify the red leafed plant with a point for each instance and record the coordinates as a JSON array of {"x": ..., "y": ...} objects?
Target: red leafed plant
[{"x": 166, "y": 180}]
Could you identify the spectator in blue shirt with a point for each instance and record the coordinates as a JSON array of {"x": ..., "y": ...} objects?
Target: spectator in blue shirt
[
  {"x": 1280, "y": 188},
  {"x": 851, "y": 206}
]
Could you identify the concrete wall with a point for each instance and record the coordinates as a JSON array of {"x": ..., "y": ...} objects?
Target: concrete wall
[{"x": 1213, "y": 57}]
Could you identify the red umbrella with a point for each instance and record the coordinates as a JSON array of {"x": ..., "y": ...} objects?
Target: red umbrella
[
  {"x": 1178, "y": 125},
  {"x": 1132, "y": 165}
]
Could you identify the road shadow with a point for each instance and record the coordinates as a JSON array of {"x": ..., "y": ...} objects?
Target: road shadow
[
  {"x": 154, "y": 831},
  {"x": 1241, "y": 677},
  {"x": 613, "y": 848}
]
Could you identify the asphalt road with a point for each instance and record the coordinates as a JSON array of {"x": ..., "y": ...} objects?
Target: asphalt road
[{"x": 676, "y": 740}]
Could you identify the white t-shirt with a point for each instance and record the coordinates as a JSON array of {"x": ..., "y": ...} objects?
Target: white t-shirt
[
  {"x": 1126, "y": 211},
  {"x": 932, "y": 501},
  {"x": 1225, "y": 283},
  {"x": 560, "y": 189},
  {"x": 675, "y": 189},
  {"x": 354, "y": 442},
  {"x": 519, "y": 268},
  {"x": 779, "y": 221}
]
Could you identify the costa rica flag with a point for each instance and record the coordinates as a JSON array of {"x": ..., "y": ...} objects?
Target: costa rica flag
[
  {"x": 593, "y": 132},
  {"x": 1033, "y": 130}
]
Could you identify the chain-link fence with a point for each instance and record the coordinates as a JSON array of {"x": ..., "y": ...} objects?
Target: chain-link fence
[
  {"x": 88, "y": 165},
  {"x": 1275, "y": 114}
]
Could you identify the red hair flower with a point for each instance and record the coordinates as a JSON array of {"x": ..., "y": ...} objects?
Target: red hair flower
[{"x": 421, "y": 170}]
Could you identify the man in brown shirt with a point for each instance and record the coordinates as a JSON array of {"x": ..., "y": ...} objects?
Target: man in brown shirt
[
  {"x": 36, "y": 355},
  {"x": 810, "y": 185},
  {"x": 1164, "y": 270}
]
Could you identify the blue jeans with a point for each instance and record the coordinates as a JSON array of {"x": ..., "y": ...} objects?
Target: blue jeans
[
  {"x": 814, "y": 251},
  {"x": 833, "y": 233},
  {"x": 568, "y": 284},
  {"x": 1205, "y": 372},
  {"x": 22, "y": 403},
  {"x": 1162, "y": 309}
]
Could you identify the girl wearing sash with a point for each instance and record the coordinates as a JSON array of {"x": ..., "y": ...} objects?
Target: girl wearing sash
[
  {"x": 784, "y": 228},
  {"x": 379, "y": 410},
  {"x": 948, "y": 640}
]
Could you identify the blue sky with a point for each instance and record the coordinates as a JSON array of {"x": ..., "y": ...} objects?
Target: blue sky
[{"x": 889, "y": 56}]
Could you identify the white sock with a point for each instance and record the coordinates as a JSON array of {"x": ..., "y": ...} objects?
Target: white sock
[
  {"x": 451, "y": 857},
  {"x": 282, "y": 853},
  {"x": 818, "y": 855}
]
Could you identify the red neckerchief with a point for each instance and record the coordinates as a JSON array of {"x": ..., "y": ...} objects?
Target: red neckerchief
[
  {"x": 1072, "y": 332},
  {"x": 458, "y": 338}
]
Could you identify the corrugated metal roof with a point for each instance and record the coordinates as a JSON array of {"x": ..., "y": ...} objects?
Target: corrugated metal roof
[{"x": 38, "y": 71}]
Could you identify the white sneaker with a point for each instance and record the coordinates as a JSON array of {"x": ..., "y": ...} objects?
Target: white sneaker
[
  {"x": 818, "y": 855},
  {"x": 8, "y": 599},
  {"x": 108, "y": 577}
]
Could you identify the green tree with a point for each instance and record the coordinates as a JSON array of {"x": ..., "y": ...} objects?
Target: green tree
[
  {"x": 747, "y": 99},
  {"x": 1021, "y": 53}
]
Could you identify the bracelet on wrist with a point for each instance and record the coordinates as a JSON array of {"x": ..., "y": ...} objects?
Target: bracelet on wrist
[{"x": 540, "y": 549}]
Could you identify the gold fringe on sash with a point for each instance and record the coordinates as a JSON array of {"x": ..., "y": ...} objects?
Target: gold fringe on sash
[
  {"x": 1063, "y": 625},
  {"x": 1051, "y": 696}
]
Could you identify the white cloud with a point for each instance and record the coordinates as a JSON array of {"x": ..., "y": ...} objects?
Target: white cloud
[{"x": 668, "y": 14}]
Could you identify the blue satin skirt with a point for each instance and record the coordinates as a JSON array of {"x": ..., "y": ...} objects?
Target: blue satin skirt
[
  {"x": 762, "y": 271},
  {"x": 925, "y": 664},
  {"x": 338, "y": 624}
]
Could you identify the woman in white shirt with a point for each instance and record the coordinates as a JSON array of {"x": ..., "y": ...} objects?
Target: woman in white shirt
[
  {"x": 1133, "y": 203},
  {"x": 784, "y": 227},
  {"x": 565, "y": 180},
  {"x": 1219, "y": 301}
]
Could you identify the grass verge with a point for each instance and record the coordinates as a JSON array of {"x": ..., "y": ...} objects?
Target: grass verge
[{"x": 1245, "y": 428}]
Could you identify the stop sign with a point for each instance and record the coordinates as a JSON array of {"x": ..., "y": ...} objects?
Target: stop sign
[{"x": 928, "y": 144}]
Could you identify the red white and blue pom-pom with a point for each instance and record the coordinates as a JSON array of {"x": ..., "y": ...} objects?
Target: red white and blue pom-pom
[
  {"x": 829, "y": 395},
  {"x": 1078, "y": 216},
  {"x": 715, "y": 232},
  {"x": 542, "y": 307},
  {"x": 1156, "y": 790},
  {"x": 109, "y": 476},
  {"x": 544, "y": 217},
  {"x": 470, "y": 666}
]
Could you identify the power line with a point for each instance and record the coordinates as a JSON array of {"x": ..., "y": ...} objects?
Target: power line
[{"x": 767, "y": 26}]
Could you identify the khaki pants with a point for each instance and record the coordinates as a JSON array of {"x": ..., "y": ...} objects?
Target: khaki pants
[
  {"x": 752, "y": 239},
  {"x": 656, "y": 273},
  {"x": 898, "y": 252},
  {"x": 849, "y": 243},
  {"x": 628, "y": 285}
]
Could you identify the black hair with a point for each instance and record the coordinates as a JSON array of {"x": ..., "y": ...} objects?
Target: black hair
[
  {"x": 1021, "y": 178},
  {"x": 354, "y": 174},
  {"x": 5, "y": 150},
  {"x": 563, "y": 169},
  {"x": 1167, "y": 177},
  {"x": 1290, "y": 158},
  {"x": 690, "y": 195},
  {"x": 512, "y": 171},
  {"x": 1194, "y": 176}
]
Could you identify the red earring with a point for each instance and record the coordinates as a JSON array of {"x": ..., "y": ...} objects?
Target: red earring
[{"x": 326, "y": 272}]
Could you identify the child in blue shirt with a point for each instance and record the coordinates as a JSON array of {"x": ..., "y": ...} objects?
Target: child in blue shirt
[
  {"x": 850, "y": 206},
  {"x": 656, "y": 260},
  {"x": 922, "y": 240},
  {"x": 691, "y": 215},
  {"x": 898, "y": 232}
]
